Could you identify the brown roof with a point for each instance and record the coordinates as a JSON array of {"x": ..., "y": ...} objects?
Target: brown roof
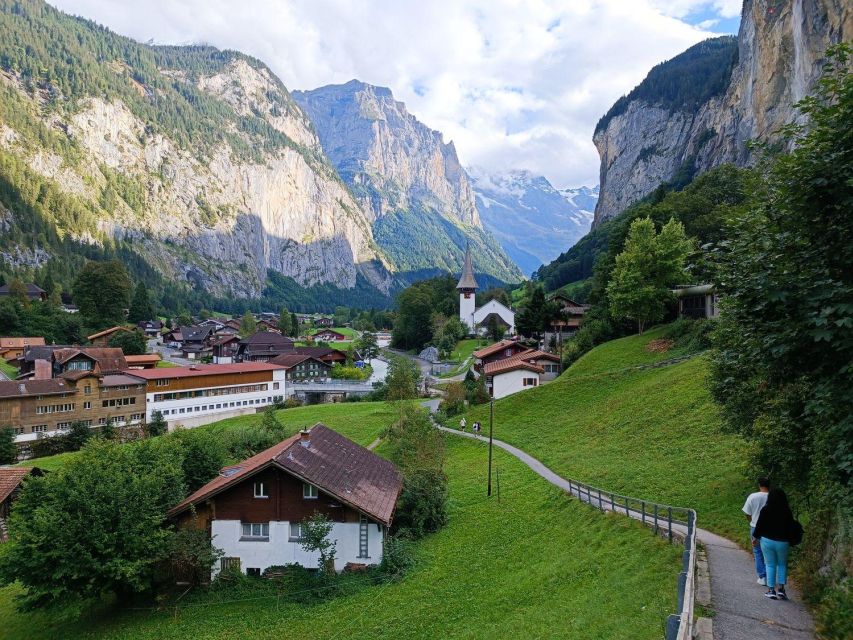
[
  {"x": 536, "y": 354},
  {"x": 18, "y": 388},
  {"x": 18, "y": 343},
  {"x": 10, "y": 478},
  {"x": 336, "y": 465},
  {"x": 495, "y": 348},
  {"x": 467, "y": 280},
  {"x": 121, "y": 379},
  {"x": 78, "y": 374},
  {"x": 289, "y": 360},
  {"x": 202, "y": 370},
  {"x": 106, "y": 332},
  {"x": 145, "y": 358},
  {"x": 510, "y": 364},
  {"x": 109, "y": 359}
]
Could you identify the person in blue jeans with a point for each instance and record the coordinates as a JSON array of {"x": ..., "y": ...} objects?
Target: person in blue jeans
[
  {"x": 773, "y": 531},
  {"x": 752, "y": 508}
]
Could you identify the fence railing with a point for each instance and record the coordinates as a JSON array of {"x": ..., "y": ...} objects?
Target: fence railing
[{"x": 664, "y": 520}]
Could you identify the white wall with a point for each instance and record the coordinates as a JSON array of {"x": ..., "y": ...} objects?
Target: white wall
[
  {"x": 203, "y": 410},
  {"x": 493, "y": 306},
  {"x": 511, "y": 382},
  {"x": 279, "y": 550},
  {"x": 466, "y": 310}
]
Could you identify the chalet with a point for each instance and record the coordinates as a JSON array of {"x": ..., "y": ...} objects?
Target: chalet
[
  {"x": 11, "y": 348},
  {"x": 11, "y": 479},
  {"x": 41, "y": 408},
  {"x": 697, "y": 301},
  {"x": 34, "y": 292},
  {"x": 263, "y": 346},
  {"x": 330, "y": 335},
  {"x": 212, "y": 322},
  {"x": 324, "y": 322},
  {"x": 254, "y": 510},
  {"x": 510, "y": 375},
  {"x": 102, "y": 338},
  {"x": 571, "y": 313},
  {"x": 143, "y": 361},
  {"x": 234, "y": 323},
  {"x": 173, "y": 337},
  {"x": 268, "y": 325},
  {"x": 224, "y": 348},
  {"x": 150, "y": 328},
  {"x": 498, "y": 351},
  {"x": 303, "y": 368},
  {"x": 195, "y": 341},
  {"x": 548, "y": 362},
  {"x": 43, "y": 362},
  {"x": 199, "y": 394},
  {"x": 325, "y": 354}
]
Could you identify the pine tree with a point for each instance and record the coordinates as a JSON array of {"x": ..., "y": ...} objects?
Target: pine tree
[
  {"x": 248, "y": 325},
  {"x": 140, "y": 307},
  {"x": 8, "y": 451},
  {"x": 284, "y": 323}
]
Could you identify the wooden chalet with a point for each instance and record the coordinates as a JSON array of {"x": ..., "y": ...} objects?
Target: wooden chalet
[{"x": 102, "y": 338}]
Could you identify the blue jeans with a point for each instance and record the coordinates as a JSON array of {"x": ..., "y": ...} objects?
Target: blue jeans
[
  {"x": 776, "y": 556},
  {"x": 759, "y": 557}
]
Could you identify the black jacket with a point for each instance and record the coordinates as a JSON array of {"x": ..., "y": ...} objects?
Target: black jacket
[{"x": 775, "y": 524}]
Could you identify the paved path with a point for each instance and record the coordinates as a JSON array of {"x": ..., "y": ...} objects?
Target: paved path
[{"x": 741, "y": 610}]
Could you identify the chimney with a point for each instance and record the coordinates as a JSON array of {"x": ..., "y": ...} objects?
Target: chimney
[{"x": 305, "y": 438}]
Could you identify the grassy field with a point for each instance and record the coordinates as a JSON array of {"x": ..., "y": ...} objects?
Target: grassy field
[
  {"x": 653, "y": 434},
  {"x": 8, "y": 369},
  {"x": 463, "y": 351},
  {"x": 165, "y": 364},
  {"x": 352, "y": 334},
  {"x": 534, "y": 564}
]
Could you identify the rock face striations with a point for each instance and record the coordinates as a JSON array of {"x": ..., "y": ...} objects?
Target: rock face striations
[
  {"x": 410, "y": 183},
  {"x": 700, "y": 109},
  {"x": 533, "y": 221}
]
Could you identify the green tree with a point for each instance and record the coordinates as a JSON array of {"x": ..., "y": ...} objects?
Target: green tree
[
  {"x": 192, "y": 556},
  {"x": 536, "y": 314},
  {"x": 94, "y": 526},
  {"x": 402, "y": 379},
  {"x": 781, "y": 369},
  {"x": 108, "y": 430},
  {"x": 647, "y": 268},
  {"x": 367, "y": 346},
  {"x": 284, "y": 323},
  {"x": 157, "y": 425},
  {"x": 8, "y": 450},
  {"x": 204, "y": 454},
  {"x": 294, "y": 325},
  {"x": 102, "y": 292},
  {"x": 132, "y": 343},
  {"x": 78, "y": 435},
  {"x": 315, "y": 538},
  {"x": 18, "y": 292},
  {"x": 140, "y": 306},
  {"x": 494, "y": 329},
  {"x": 184, "y": 319},
  {"x": 248, "y": 325}
]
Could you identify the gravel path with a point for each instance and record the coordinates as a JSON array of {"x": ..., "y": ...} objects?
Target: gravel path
[{"x": 741, "y": 610}]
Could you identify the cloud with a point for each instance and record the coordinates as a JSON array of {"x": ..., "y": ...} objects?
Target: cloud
[{"x": 515, "y": 84}]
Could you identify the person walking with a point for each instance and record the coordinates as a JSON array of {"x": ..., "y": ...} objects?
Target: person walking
[
  {"x": 462, "y": 424},
  {"x": 752, "y": 508},
  {"x": 775, "y": 531}
]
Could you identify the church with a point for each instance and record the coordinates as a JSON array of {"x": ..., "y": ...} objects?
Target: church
[{"x": 477, "y": 319}]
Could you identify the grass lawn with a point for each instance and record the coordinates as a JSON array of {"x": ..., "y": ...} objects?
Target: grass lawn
[
  {"x": 165, "y": 364},
  {"x": 352, "y": 334},
  {"x": 463, "y": 351},
  {"x": 535, "y": 564},
  {"x": 8, "y": 369},
  {"x": 653, "y": 434}
]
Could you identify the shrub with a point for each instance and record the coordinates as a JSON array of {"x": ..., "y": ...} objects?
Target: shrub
[
  {"x": 397, "y": 558},
  {"x": 292, "y": 402},
  {"x": 192, "y": 556},
  {"x": 204, "y": 455},
  {"x": 689, "y": 335},
  {"x": 157, "y": 426},
  {"x": 454, "y": 402},
  {"x": 422, "y": 507}
]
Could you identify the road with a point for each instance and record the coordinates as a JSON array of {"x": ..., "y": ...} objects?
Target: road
[{"x": 167, "y": 354}]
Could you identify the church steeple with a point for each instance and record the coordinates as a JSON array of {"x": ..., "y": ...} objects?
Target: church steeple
[{"x": 467, "y": 281}]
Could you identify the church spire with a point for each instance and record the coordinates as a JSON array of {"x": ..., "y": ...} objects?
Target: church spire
[{"x": 467, "y": 280}]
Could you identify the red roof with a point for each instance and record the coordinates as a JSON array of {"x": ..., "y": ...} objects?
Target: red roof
[
  {"x": 203, "y": 370},
  {"x": 519, "y": 361},
  {"x": 335, "y": 464},
  {"x": 536, "y": 354},
  {"x": 495, "y": 348},
  {"x": 10, "y": 478}
]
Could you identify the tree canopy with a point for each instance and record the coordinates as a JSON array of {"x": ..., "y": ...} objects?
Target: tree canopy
[{"x": 102, "y": 293}]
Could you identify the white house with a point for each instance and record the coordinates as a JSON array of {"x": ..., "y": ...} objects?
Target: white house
[
  {"x": 255, "y": 509},
  {"x": 477, "y": 319},
  {"x": 200, "y": 394},
  {"x": 511, "y": 375}
]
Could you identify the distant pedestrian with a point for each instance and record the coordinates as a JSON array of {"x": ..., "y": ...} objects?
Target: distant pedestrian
[
  {"x": 476, "y": 427},
  {"x": 462, "y": 424},
  {"x": 752, "y": 508},
  {"x": 776, "y": 531}
]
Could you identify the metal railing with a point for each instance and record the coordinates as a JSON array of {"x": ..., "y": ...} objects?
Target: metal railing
[{"x": 663, "y": 520}]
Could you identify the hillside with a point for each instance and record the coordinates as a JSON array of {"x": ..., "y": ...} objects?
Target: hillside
[
  {"x": 406, "y": 178},
  {"x": 193, "y": 165},
  {"x": 533, "y": 221},
  {"x": 521, "y": 554},
  {"x": 700, "y": 109},
  {"x": 652, "y": 433}
]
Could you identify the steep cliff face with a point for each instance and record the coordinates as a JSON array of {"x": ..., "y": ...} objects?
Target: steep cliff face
[
  {"x": 403, "y": 174},
  {"x": 653, "y": 136},
  {"x": 533, "y": 221}
]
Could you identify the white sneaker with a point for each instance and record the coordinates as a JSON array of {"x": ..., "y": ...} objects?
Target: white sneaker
[{"x": 762, "y": 582}]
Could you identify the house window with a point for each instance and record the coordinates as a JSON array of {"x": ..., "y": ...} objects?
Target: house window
[
  {"x": 255, "y": 531},
  {"x": 309, "y": 491},
  {"x": 261, "y": 490},
  {"x": 508, "y": 352},
  {"x": 162, "y": 383},
  {"x": 530, "y": 382},
  {"x": 295, "y": 531},
  {"x": 87, "y": 405},
  {"x": 63, "y": 425},
  {"x": 40, "y": 428},
  {"x": 87, "y": 389},
  {"x": 275, "y": 385}
]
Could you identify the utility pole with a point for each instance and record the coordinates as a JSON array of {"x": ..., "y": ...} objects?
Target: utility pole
[{"x": 491, "y": 421}]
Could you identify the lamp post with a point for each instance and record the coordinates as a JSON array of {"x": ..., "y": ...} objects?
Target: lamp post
[{"x": 491, "y": 421}]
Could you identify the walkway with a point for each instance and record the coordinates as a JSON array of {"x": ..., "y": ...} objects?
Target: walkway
[{"x": 741, "y": 610}]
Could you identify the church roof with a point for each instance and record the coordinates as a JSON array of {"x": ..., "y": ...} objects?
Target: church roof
[{"x": 467, "y": 280}]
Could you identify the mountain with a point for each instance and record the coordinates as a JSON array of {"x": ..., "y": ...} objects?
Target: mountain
[
  {"x": 533, "y": 221},
  {"x": 408, "y": 181},
  {"x": 700, "y": 109}
]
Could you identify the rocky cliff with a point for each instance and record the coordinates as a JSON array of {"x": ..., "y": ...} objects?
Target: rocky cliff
[
  {"x": 407, "y": 179},
  {"x": 533, "y": 221},
  {"x": 726, "y": 93}
]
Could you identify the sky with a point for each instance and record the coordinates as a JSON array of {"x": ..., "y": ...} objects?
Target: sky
[{"x": 515, "y": 84}]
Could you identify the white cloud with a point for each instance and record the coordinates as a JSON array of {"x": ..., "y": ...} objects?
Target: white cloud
[{"x": 515, "y": 84}]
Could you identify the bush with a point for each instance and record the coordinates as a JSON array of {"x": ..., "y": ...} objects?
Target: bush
[
  {"x": 454, "y": 402},
  {"x": 204, "y": 455},
  {"x": 397, "y": 558},
  {"x": 157, "y": 426},
  {"x": 422, "y": 507},
  {"x": 292, "y": 402},
  {"x": 192, "y": 556},
  {"x": 689, "y": 335}
]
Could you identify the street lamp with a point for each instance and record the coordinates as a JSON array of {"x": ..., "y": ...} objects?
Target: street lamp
[{"x": 491, "y": 420}]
